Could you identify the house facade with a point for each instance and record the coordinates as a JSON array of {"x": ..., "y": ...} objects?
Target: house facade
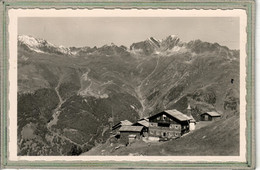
[
  {"x": 168, "y": 124},
  {"x": 129, "y": 133}
]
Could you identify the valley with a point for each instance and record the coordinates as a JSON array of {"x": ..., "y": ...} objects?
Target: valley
[{"x": 69, "y": 98}]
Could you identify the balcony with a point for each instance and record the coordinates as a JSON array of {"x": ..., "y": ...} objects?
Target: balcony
[
  {"x": 162, "y": 121},
  {"x": 164, "y": 128}
]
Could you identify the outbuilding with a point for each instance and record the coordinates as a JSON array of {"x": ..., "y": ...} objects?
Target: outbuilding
[
  {"x": 210, "y": 116},
  {"x": 127, "y": 132},
  {"x": 116, "y": 127}
]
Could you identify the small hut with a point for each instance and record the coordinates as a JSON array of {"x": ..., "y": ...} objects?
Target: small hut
[
  {"x": 210, "y": 116},
  {"x": 116, "y": 127},
  {"x": 128, "y": 132}
]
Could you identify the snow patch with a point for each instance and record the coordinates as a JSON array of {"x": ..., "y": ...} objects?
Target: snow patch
[
  {"x": 176, "y": 49},
  {"x": 157, "y": 52},
  {"x": 132, "y": 106},
  {"x": 35, "y": 44},
  {"x": 29, "y": 40},
  {"x": 104, "y": 96},
  {"x": 173, "y": 36}
]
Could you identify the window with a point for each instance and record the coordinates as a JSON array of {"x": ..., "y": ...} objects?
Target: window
[
  {"x": 176, "y": 134},
  {"x": 164, "y": 124},
  {"x": 176, "y": 127},
  {"x": 164, "y": 117},
  {"x": 153, "y": 124},
  {"x": 164, "y": 134}
]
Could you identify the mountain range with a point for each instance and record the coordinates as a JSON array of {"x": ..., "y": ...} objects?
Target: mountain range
[{"x": 69, "y": 97}]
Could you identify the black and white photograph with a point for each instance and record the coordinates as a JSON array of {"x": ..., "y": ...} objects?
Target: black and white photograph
[{"x": 127, "y": 85}]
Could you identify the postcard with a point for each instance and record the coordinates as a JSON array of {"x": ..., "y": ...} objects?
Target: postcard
[{"x": 128, "y": 87}]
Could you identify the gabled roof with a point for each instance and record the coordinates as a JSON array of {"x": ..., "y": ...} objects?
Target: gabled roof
[
  {"x": 178, "y": 115},
  {"x": 144, "y": 123},
  {"x": 144, "y": 118},
  {"x": 122, "y": 123},
  {"x": 214, "y": 114},
  {"x": 126, "y": 122},
  {"x": 131, "y": 128}
]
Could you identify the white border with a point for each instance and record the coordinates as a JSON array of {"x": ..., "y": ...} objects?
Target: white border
[
  {"x": 257, "y": 84},
  {"x": 12, "y": 113}
]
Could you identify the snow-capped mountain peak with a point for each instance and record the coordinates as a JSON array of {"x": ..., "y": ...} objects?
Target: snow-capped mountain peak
[
  {"x": 33, "y": 42},
  {"x": 29, "y": 40},
  {"x": 173, "y": 36},
  {"x": 40, "y": 45},
  {"x": 152, "y": 45}
]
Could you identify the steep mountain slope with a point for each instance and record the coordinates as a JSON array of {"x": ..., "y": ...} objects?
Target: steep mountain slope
[
  {"x": 68, "y": 97},
  {"x": 218, "y": 138}
]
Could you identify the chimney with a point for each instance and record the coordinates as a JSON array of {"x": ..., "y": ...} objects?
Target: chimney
[{"x": 189, "y": 110}]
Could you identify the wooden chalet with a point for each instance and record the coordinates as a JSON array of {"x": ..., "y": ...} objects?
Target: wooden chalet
[
  {"x": 210, "y": 116},
  {"x": 116, "y": 127},
  {"x": 168, "y": 124},
  {"x": 165, "y": 125},
  {"x": 145, "y": 124},
  {"x": 128, "y": 133}
]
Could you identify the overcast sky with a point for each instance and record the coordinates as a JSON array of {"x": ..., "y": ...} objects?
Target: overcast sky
[{"x": 91, "y": 32}]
